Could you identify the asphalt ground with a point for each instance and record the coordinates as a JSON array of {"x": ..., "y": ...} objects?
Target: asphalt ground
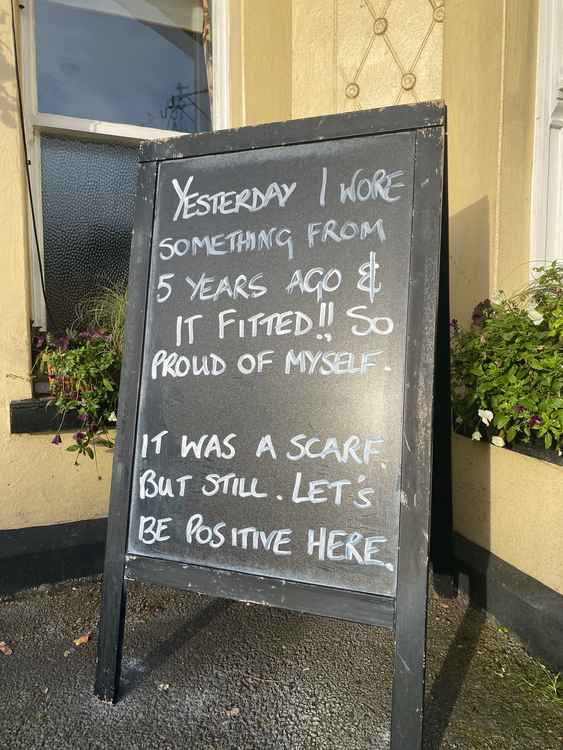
[{"x": 207, "y": 674}]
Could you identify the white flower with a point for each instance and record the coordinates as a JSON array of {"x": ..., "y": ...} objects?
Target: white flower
[
  {"x": 498, "y": 441},
  {"x": 486, "y": 416},
  {"x": 535, "y": 316},
  {"x": 476, "y": 435},
  {"x": 497, "y": 298},
  {"x": 112, "y": 417}
]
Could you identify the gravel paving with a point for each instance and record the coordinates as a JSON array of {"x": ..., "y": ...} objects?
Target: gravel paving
[{"x": 209, "y": 674}]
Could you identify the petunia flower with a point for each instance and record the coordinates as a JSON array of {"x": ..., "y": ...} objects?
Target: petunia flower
[
  {"x": 534, "y": 420},
  {"x": 497, "y": 298},
  {"x": 79, "y": 436},
  {"x": 519, "y": 409},
  {"x": 476, "y": 435},
  {"x": 57, "y": 440},
  {"x": 535, "y": 316},
  {"x": 498, "y": 441},
  {"x": 486, "y": 416},
  {"x": 112, "y": 417}
]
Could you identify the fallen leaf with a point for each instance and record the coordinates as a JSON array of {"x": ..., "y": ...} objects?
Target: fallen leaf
[
  {"x": 81, "y": 640},
  {"x": 164, "y": 686},
  {"x": 5, "y": 649},
  {"x": 67, "y": 653},
  {"x": 233, "y": 711}
]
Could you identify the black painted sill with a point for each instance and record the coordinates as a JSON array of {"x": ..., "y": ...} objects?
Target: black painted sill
[
  {"x": 39, "y": 415},
  {"x": 532, "y": 451}
]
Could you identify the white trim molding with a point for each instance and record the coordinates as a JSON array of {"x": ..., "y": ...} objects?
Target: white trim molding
[
  {"x": 221, "y": 50},
  {"x": 546, "y": 225}
]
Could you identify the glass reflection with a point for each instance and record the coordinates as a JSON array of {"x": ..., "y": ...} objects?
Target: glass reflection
[{"x": 96, "y": 61}]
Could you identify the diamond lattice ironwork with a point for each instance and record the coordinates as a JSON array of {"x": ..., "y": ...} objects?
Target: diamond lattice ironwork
[{"x": 397, "y": 38}]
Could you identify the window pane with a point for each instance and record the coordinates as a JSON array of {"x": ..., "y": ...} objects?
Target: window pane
[
  {"x": 99, "y": 60},
  {"x": 88, "y": 202}
]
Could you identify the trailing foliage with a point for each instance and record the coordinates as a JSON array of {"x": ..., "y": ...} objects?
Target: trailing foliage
[
  {"x": 105, "y": 312},
  {"x": 507, "y": 369},
  {"x": 84, "y": 368}
]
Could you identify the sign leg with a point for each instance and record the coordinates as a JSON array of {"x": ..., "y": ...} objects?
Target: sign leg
[
  {"x": 408, "y": 682},
  {"x": 110, "y": 639},
  {"x": 114, "y": 593}
]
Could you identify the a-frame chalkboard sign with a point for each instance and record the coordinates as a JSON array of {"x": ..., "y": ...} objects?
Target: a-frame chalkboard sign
[{"x": 275, "y": 412}]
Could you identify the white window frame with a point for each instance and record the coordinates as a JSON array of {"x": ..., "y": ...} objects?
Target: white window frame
[
  {"x": 37, "y": 123},
  {"x": 546, "y": 225}
]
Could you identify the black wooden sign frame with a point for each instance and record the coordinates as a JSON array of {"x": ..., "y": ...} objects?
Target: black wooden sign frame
[{"x": 405, "y": 613}]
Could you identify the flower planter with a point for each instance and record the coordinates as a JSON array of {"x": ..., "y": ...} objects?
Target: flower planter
[{"x": 512, "y": 505}]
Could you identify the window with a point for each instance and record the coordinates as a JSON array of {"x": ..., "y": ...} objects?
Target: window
[
  {"x": 547, "y": 182},
  {"x": 99, "y": 76}
]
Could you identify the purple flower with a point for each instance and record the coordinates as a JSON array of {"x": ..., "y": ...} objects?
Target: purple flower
[
  {"x": 534, "y": 420},
  {"x": 57, "y": 440},
  {"x": 79, "y": 437},
  {"x": 63, "y": 342},
  {"x": 84, "y": 418},
  {"x": 519, "y": 409}
]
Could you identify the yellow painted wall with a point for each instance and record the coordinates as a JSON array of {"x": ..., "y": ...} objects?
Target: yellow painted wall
[
  {"x": 488, "y": 85},
  {"x": 265, "y": 44},
  {"x": 293, "y": 58},
  {"x": 38, "y": 482},
  {"x": 505, "y": 502}
]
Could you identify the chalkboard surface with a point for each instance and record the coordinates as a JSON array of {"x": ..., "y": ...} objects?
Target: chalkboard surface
[
  {"x": 277, "y": 391},
  {"x": 271, "y": 406}
]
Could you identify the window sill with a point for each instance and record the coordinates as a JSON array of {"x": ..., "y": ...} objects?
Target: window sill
[{"x": 38, "y": 415}]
